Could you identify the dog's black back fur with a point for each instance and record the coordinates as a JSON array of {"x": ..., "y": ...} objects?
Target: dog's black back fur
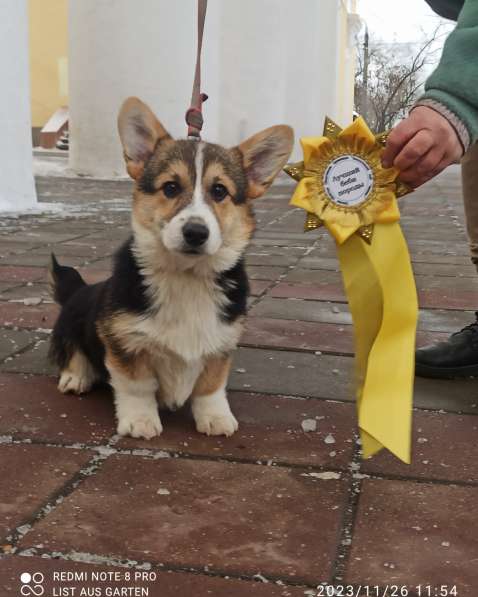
[{"x": 83, "y": 305}]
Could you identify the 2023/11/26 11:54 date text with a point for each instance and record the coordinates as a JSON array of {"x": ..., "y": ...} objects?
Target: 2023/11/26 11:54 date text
[{"x": 387, "y": 591}]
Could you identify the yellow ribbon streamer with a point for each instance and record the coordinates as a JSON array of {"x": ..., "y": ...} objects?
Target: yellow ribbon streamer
[
  {"x": 380, "y": 287},
  {"x": 377, "y": 275}
]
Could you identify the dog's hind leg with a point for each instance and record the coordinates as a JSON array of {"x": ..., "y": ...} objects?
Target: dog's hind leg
[
  {"x": 211, "y": 410},
  {"x": 78, "y": 376}
]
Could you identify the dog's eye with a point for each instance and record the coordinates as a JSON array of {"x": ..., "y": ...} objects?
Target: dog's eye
[
  {"x": 219, "y": 192},
  {"x": 171, "y": 189}
]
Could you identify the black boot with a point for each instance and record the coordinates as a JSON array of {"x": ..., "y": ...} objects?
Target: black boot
[{"x": 456, "y": 357}]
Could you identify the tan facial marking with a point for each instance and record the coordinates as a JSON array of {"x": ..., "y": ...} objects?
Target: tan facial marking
[
  {"x": 215, "y": 173},
  {"x": 150, "y": 209}
]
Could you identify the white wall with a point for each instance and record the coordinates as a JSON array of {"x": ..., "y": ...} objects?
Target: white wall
[
  {"x": 17, "y": 189},
  {"x": 264, "y": 62}
]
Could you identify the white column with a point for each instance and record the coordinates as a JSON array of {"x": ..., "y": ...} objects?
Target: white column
[
  {"x": 119, "y": 48},
  {"x": 311, "y": 33},
  {"x": 279, "y": 63},
  {"x": 17, "y": 187}
]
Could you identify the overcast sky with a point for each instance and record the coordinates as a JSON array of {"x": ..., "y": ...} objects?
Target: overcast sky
[{"x": 405, "y": 20}]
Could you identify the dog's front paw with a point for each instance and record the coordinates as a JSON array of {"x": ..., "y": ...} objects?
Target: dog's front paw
[
  {"x": 145, "y": 426},
  {"x": 217, "y": 424},
  {"x": 71, "y": 382}
]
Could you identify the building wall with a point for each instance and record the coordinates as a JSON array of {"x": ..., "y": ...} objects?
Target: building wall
[
  {"x": 48, "y": 33},
  {"x": 17, "y": 189},
  {"x": 349, "y": 25}
]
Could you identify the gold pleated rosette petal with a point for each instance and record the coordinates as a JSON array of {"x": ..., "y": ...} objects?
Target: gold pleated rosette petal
[
  {"x": 357, "y": 146},
  {"x": 343, "y": 186}
]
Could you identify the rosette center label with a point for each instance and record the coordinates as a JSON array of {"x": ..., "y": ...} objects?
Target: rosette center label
[{"x": 348, "y": 180}]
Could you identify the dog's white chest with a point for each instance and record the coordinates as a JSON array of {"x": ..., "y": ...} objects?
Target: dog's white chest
[{"x": 188, "y": 319}]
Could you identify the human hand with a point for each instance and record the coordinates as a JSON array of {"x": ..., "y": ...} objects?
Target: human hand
[{"x": 421, "y": 146}]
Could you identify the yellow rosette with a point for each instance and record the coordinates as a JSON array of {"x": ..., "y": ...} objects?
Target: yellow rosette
[{"x": 343, "y": 186}]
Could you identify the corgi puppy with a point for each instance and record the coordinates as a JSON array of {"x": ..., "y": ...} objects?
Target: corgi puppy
[{"x": 162, "y": 328}]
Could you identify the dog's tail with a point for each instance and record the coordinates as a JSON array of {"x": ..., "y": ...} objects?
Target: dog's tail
[{"x": 64, "y": 281}]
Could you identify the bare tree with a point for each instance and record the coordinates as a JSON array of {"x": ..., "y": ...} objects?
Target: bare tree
[{"x": 389, "y": 77}]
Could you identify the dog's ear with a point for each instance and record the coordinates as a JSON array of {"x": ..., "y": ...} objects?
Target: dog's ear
[
  {"x": 139, "y": 131},
  {"x": 264, "y": 155}
]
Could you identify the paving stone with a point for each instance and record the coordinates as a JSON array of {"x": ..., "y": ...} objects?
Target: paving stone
[
  {"x": 269, "y": 371},
  {"x": 201, "y": 521},
  {"x": 298, "y": 335},
  {"x": 290, "y": 236},
  {"x": 258, "y": 287},
  {"x": 40, "y": 236},
  {"x": 35, "y": 258},
  {"x": 323, "y": 292},
  {"x": 270, "y": 430},
  {"x": 17, "y": 314},
  {"x": 446, "y": 283},
  {"x": 432, "y": 299},
  {"x": 433, "y": 320},
  {"x": 5, "y": 286},
  {"x": 12, "y": 341},
  {"x": 20, "y": 275},
  {"x": 435, "y": 247},
  {"x": 68, "y": 251},
  {"x": 445, "y": 321},
  {"x": 34, "y": 290},
  {"x": 33, "y": 408},
  {"x": 419, "y": 253},
  {"x": 270, "y": 260},
  {"x": 303, "y": 243},
  {"x": 9, "y": 247},
  {"x": 117, "y": 235},
  {"x": 34, "y": 360},
  {"x": 34, "y": 473},
  {"x": 264, "y": 272},
  {"x": 100, "y": 264},
  {"x": 448, "y": 299},
  {"x": 320, "y": 263},
  {"x": 82, "y": 188},
  {"x": 332, "y": 276},
  {"x": 444, "y": 447},
  {"x": 454, "y": 395},
  {"x": 445, "y": 269},
  {"x": 157, "y": 583},
  {"x": 302, "y": 310},
  {"x": 276, "y": 251},
  {"x": 441, "y": 259},
  {"x": 435, "y": 524}
]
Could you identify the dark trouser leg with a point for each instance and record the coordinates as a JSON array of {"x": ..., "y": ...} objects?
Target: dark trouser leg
[
  {"x": 458, "y": 356},
  {"x": 469, "y": 173}
]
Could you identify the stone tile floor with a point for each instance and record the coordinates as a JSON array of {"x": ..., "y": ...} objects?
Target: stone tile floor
[{"x": 272, "y": 511}]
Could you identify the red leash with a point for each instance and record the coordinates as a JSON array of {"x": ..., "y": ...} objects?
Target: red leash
[{"x": 194, "y": 118}]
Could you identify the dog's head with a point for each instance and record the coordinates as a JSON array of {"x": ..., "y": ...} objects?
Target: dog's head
[{"x": 192, "y": 199}]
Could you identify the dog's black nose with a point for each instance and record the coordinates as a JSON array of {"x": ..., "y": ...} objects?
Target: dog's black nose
[{"x": 195, "y": 234}]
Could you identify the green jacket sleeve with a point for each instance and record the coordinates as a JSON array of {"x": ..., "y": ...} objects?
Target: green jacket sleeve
[{"x": 454, "y": 84}]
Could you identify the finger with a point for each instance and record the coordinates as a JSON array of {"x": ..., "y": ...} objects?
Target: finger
[
  {"x": 396, "y": 140},
  {"x": 414, "y": 150},
  {"x": 416, "y": 178},
  {"x": 425, "y": 168}
]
